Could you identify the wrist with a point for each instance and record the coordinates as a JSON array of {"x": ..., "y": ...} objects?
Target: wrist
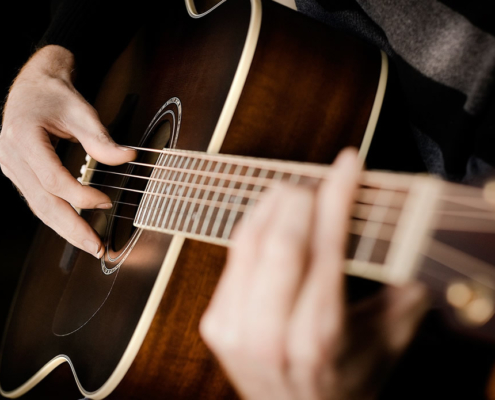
[{"x": 52, "y": 61}]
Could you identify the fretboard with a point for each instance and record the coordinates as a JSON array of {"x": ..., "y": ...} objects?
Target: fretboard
[{"x": 202, "y": 196}]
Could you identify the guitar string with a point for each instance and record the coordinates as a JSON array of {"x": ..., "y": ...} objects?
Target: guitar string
[
  {"x": 467, "y": 200},
  {"x": 309, "y": 170},
  {"x": 445, "y": 261},
  {"x": 432, "y": 273},
  {"x": 319, "y": 176},
  {"x": 231, "y": 190},
  {"x": 361, "y": 209},
  {"x": 361, "y": 216}
]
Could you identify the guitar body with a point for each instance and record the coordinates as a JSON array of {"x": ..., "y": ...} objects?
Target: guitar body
[{"x": 133, "y": 333}]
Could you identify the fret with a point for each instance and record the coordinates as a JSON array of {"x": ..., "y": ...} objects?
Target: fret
[
  {"x": 155, "y": 204},
  {"x": 192, "y": 215},
  {"x": 410, "y": 236},
  {"x": 185, "y": 203},
  {"x": 278, "y": 176},
  {"x": 294, "y": 179},
  {"x": 206, "y": 194},
  {"x": 149, "y": 190},
  {"x": 160, "y": 201},
  {"x": 203, "y": 198},
  {"x": 226, "y": 199},
  {"x": 234, "y": 211},
  {"x": 370, "y": 233},
  {"x": 176, "y": 191},
  {"x": 211, "y": 209}
]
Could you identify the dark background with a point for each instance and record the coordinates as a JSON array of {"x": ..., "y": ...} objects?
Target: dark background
[{"x": 24, "y": 24}]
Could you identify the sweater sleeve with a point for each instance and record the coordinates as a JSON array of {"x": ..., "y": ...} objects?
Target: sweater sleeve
[{"x": 96, "y": 32}]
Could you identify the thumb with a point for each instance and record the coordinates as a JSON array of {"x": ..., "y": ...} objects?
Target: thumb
[
  {"x": 84, "y": 123},
  {"x": 404, "y": 309}
]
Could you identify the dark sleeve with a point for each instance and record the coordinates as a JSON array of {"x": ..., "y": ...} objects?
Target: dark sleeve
[{"x": 96, "y": 32}]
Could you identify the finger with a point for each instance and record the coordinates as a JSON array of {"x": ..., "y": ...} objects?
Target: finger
[
  {"x": 81, "y": 121},
  {"x": 317, "y": 323},
  {"x": 220, "y": 323},
  {"x": 282, "y": 257},
  {"x": 226, "y": 325},
  {"x": 274, "y": 287},
  {"x": 404, "y": 309},
  {"x": 55, "y": 212},
  {"x": 56, "y": 179}
]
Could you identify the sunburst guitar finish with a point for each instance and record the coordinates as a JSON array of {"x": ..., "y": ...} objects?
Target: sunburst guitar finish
[{"x": 243, "y": 77}]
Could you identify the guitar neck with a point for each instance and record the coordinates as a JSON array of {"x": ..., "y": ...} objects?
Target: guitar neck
[{"x": 202, "y": 196}]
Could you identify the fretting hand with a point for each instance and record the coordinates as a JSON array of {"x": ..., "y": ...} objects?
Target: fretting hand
[
  {"x": 42, "y": 107},
  {"x": 278, "y": 323}
]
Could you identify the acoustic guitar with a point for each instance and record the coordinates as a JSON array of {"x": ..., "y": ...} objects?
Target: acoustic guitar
[{"x": 222, "y": 103}]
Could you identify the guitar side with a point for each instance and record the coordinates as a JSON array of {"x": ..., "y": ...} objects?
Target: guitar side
[{"x": 254, "y": 70}]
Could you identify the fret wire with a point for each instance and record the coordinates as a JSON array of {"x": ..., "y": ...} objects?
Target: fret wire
[
  {"x": 219, "y": 167},
  {"x": 366, "y": 246},
  {"x": 184, "y": 203},
  {"x": 195, "y": 215},
  {"x": 143, "y": 212},
  {"x": 226, "y": 199},
  {"x": 152, "y": 200},
  {"x": 190, "y": 212},
  {"x": 173, "y": 191},
  {"x": 233, "y": 213},
  {"x": 216, "y": 195},
  {"x": 202, "y": 203},
  {"x": 157, "y": 200},
  {"x": 162, "y": 190},
  {"x": 179, "y": 191}
]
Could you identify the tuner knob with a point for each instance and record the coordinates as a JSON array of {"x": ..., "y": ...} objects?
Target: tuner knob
[{"x": 473, "y": 303}]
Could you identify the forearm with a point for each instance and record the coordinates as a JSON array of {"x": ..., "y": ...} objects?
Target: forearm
[{"x": 95, "y": 32}]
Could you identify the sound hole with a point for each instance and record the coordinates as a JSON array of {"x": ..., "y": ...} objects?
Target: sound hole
[{"x": 129, "y": 200}]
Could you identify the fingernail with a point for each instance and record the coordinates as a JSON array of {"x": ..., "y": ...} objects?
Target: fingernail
[
  {"x": 91, "y": 247},
  {"x": 347, "y": 156},
  {"x": 125, "y": 148},
  {"x": 104, "y": 206}
]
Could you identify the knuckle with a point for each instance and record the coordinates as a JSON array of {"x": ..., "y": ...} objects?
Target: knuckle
[
  {"x": 283, "y": 246},
  {"x": 221, "y": 337},
  {"x": 41, "y": 206},
  {"x": 81, "y": 199},
  {"x": 208, "y": 329},
  {"x": 308, "y": 357},
  {"x": 50, "y": 180},
  {"x": 266, "y": 350},
  {"x": 71, "y": 229}
]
